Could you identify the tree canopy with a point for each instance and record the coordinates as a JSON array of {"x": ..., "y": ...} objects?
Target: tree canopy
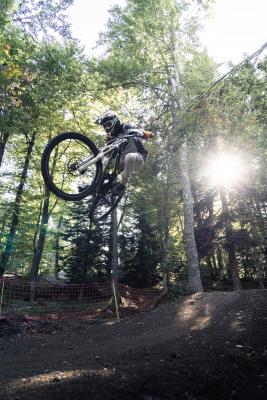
[{"x": 177, "y": 222}]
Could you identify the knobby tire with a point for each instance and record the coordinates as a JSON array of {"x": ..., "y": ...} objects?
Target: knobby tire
[{"x": 49, "y": 179}]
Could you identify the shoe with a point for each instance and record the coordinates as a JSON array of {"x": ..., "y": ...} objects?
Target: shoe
[{"x": 118, "y": 189}]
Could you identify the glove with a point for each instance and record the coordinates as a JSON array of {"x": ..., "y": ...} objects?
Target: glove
[{"x": 148, "y": 134}]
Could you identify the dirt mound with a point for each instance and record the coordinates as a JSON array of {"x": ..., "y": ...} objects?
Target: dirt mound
[{"x": 205, "y": 346}]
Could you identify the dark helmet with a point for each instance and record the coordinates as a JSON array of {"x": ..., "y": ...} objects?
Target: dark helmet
[{"x": 110, "y": 122}]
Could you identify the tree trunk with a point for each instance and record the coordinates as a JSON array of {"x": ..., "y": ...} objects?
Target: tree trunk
[
  {"x": 194, "y": 279},
  {"x": 211, "y": 268},
  {"x": 214, "y": 265},
  {"x": 164, "y": 216},
  {"x": 37, "y": 225},
  {"x": 233, "y": 265},
  {"x": 15, "y": 217},
  {"x": 3, "y": 141},
  {"x": 37, "y": 256},
  {"x": 258, "y": 268},
  {"x": 220, "y": 261},
  {"x": 257, "y": 225},
  {"x": 41, "y": 239},
  {"x": 40, "y": 245},
  {"x": 174, "y": 82},
  {"x": 2, "y": 229},
  {"x": 259, "y": 275}
]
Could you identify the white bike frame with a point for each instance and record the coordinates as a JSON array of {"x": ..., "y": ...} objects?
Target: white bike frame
[{"x": 103, "y": 153}]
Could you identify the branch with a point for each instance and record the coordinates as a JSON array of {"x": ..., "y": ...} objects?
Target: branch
[
  {"x": 51, "y": 210},
  {"x": 76, "y": 121},
  {"x": 232, "y": 71}
]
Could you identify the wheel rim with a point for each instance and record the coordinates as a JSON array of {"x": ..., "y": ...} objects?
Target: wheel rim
[{"x": 62, "y": 164}]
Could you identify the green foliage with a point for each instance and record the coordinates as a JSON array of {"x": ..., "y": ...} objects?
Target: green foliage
[
  {"x": 39, "y": 18},
  {"x": 139, "y": 251},
  {"x": 83, "y": 246},
  {"x": 152, "y": 71}
]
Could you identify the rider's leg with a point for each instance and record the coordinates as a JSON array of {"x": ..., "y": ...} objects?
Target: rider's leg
[
  {"x": 81, "y": 188},
  {"x": 132, "y": 162},
  {"x": 128, "y": 164}
]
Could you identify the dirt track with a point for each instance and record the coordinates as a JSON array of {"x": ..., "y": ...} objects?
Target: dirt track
[{"x": 206, "y": 346}]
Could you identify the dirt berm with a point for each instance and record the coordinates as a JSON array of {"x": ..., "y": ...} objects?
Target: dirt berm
[{"x": 205, "y": 346}]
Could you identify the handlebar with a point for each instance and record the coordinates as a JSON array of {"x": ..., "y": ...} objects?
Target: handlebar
[
  {"x": 126, "y": 137},
  {"x": 120, "y": 139}
]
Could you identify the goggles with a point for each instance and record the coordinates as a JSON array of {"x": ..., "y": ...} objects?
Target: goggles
[{"x": 108, "y": 124}]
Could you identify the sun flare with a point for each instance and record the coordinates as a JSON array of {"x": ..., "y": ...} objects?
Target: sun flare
[{"x": 224, "y": 169}]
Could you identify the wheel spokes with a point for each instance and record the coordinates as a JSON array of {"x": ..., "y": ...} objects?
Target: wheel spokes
[{"x": 63, "y": 166}]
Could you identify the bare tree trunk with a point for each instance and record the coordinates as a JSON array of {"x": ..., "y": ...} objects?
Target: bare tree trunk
[
  {"x": 194, "y": 279},
  {"x": 259, "y": 275},
  {"x": 36, "y": 230},
  {"x": 211, "y": 268},
  {"x": 220, "y": 260},
  {"x": 233, "y": 265},
  {"x": 174, "y": 82},
  {"x": 214, "y": 265},
  {"x": 3, "y": 141},
  {"x": 258, "y": 229},
  {"x": 38, "y": 251},
  {"x": 2, "y": 229},
  {"x": 258, "y": 269},
  {"x": 42, "y": 235},
  {"x": 15, "y": 217},
  {"x": 164, "y": 216}
]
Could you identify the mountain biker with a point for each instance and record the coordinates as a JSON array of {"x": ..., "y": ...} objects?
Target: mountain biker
[{"x": 133, "y": 153}]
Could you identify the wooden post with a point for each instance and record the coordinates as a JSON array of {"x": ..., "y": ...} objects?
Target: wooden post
[
  {"x": 2, "y": 296},
  {"x": 114, "y": 262},
  {"x": 116, "y": 301}
]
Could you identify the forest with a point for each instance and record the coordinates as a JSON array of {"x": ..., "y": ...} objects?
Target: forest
[{"x": 195, "y": 215}]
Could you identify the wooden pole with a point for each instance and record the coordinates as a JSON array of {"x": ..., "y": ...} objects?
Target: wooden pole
[
  {"x": 116, "y": 301},
  {"x": 114, "y": 262},
  {"x": 2, "y": 296}
]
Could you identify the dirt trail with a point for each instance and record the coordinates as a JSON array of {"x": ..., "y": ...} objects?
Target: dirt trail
[{"x": 204, "y": 346}]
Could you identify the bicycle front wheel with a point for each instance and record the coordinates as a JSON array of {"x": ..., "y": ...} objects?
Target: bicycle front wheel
[{"x": 59, "y": 166}]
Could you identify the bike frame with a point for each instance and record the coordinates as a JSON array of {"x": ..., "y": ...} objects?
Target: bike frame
[{"x": 103, "y": 152}]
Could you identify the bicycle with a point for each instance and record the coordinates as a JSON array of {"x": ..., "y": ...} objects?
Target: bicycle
[{"x": 72, "y": 168}]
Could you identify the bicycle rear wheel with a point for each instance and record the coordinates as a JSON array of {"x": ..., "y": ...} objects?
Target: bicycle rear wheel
[
  {"x": 59, "y": 166},
  {"x": 103, "y": 205}
]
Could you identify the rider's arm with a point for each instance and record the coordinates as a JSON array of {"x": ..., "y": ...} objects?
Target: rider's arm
[{"x": 141, "y": 133}]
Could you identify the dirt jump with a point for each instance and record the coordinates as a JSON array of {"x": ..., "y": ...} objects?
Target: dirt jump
[{"x": 207, "y": 346}]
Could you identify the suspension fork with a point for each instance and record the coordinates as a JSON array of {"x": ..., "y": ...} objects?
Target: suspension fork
[{"x": 117, "y": 162}]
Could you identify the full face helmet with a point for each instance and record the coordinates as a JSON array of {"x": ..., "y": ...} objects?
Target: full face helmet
[{"x": 110, "y": 122}]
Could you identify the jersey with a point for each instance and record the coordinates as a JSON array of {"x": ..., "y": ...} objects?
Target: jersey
[{"x": 134, "y": 144}]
